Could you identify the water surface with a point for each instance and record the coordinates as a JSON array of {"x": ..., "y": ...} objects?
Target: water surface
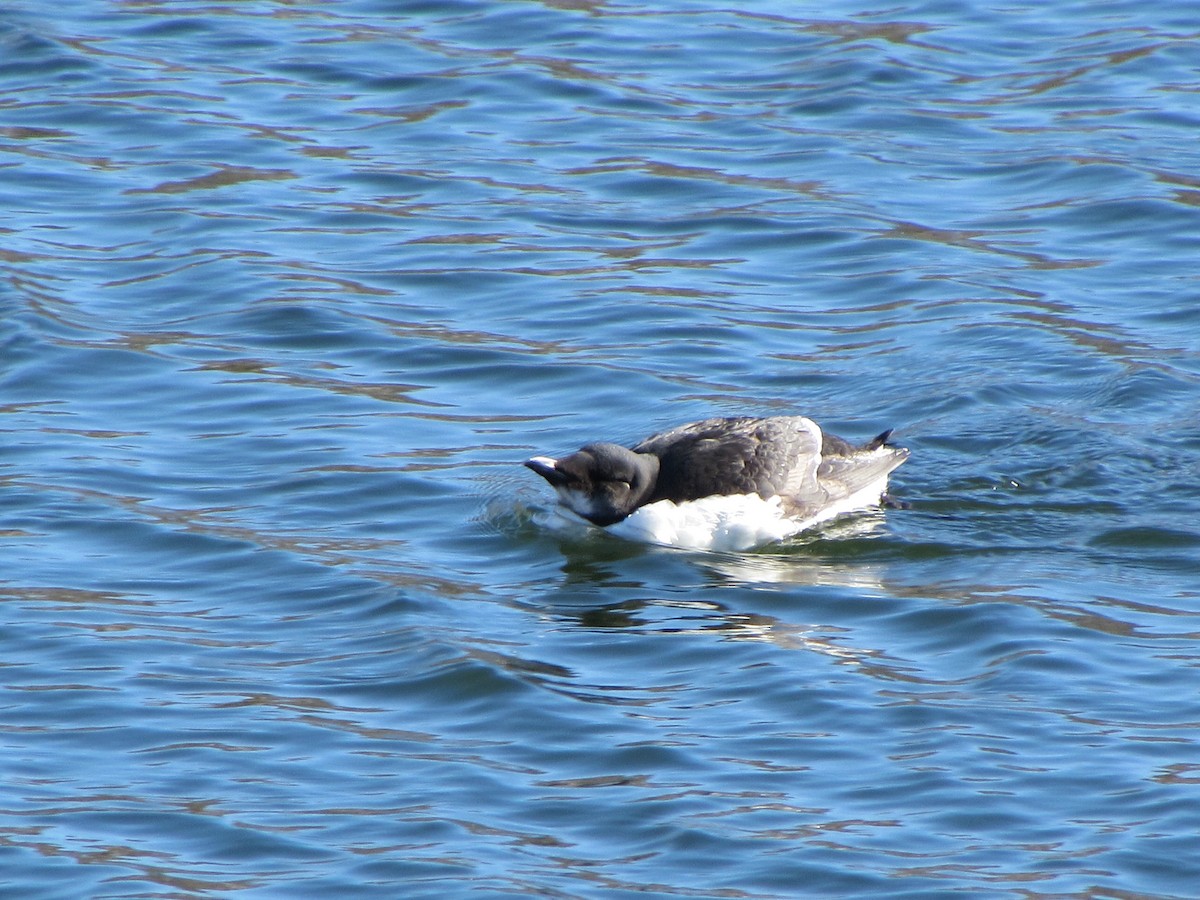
[{"x": 289, "y": 290}]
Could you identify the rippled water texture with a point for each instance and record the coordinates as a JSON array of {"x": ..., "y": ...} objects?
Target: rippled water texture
[{"x": 289, "y": 289}]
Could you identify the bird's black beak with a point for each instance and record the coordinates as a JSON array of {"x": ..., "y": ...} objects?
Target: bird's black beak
[{"x": 545, "y": 467}]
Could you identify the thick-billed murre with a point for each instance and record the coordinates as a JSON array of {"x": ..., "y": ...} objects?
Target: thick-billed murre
[{"x": 723, "y": 483}]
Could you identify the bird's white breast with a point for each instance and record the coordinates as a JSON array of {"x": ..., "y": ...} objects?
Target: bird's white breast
[{"x": 734, "y": 522}]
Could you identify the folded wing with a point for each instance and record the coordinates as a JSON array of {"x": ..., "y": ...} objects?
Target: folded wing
[{"x": 764, "y": 456}]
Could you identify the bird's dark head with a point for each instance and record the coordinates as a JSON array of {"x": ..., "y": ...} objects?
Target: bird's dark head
[{"x": 601, "y": 482}]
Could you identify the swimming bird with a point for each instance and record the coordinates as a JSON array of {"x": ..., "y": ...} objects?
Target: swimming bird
[{"x": 723, "y": 483}]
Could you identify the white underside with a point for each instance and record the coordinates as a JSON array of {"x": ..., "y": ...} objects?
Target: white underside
[{"x": 737, "y": 522}]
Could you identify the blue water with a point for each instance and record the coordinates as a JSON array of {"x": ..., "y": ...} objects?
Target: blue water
[{"x": 288, "y": 292}]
